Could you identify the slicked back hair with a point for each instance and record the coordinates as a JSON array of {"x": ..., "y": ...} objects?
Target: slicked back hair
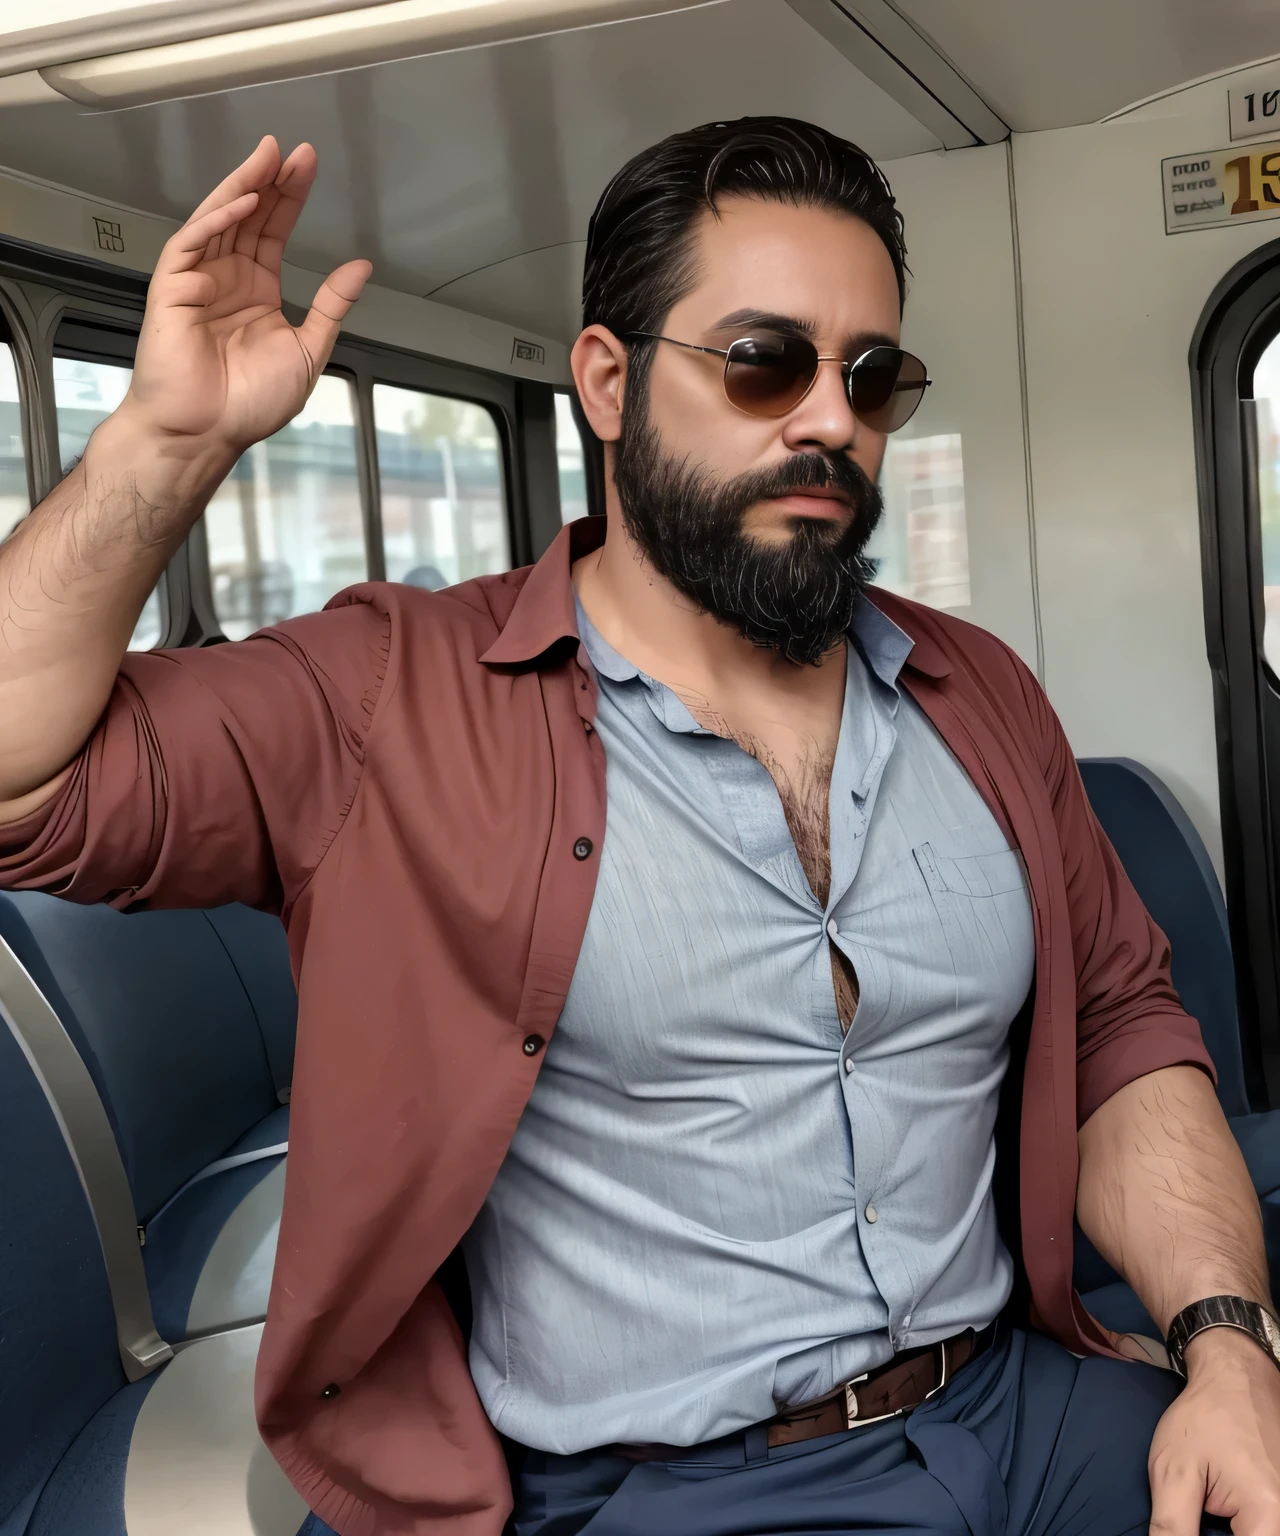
[{"x": 640, "y": 243}]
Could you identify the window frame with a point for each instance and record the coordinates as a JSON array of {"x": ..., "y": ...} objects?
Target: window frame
[
  {"x": 99, "y": 308},
  {"x": 1239, "y": 320}
]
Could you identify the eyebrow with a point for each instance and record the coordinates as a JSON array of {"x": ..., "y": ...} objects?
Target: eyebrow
[{"x": 791, "y": 325}]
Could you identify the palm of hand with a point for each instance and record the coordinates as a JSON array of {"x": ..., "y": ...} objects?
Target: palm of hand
[{"x": 235, "y": 366}]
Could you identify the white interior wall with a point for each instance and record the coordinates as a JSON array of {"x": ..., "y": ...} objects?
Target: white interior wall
[
  {"x": 961, "y": 318},
  {"x": 1109, "y": 306}
]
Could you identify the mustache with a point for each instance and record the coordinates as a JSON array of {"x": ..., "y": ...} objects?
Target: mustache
[{"x": 806, "y": 472}]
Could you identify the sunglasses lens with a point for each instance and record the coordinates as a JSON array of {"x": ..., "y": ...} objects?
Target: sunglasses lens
[
  {"x": 885, "y": 387},
  {"x": 769, "y": 375}
]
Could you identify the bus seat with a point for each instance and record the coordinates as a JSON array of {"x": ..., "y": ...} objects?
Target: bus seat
[
  {"x": 1167, "y": 862},
  {"x": 161, "y": 1006},
  {"x": 260, "y": 953},
  {"x": 85, "y": 1450},
  {"x": 1163, "y": 855},
  {"x": 59, "y": 1363}
]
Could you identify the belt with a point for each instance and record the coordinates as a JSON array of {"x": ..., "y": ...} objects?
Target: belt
[{"x": 901, "y": 1384}]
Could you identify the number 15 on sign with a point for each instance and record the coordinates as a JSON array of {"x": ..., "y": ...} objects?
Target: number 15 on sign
[{"x": 1257, "y": 181}]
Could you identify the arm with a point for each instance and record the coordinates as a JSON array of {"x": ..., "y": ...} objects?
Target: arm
[
  {"x": 1162, "y": 1190},
  {"x": 218, "y": 368},
  {"x": 1165, "y": 1197}
]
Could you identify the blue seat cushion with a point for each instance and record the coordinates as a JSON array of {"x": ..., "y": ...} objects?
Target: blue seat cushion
[
  {"x": 85, "y": 1495},
  {"x": 181, "y": 1238}
]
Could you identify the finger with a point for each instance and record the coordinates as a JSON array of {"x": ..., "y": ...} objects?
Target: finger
[
  {"x": 190, "y": 290},
  {"x": 293, "y": 186},
  {"x": 1177, "y": 1499},
  {"x": 249, "y": 230},
  {"x": 336, "y": 295},
  {"x": 252, "y": 175},
  {"x": 197, "y": 237}
]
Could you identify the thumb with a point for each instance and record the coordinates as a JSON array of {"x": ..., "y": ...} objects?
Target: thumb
[{"x": 336, "y": 295}]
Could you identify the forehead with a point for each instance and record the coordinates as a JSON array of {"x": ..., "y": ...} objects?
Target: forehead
[{"x": 825, "y": 267}]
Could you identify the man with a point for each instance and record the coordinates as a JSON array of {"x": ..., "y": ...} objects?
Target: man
[{"x": 739, "y": 1255}]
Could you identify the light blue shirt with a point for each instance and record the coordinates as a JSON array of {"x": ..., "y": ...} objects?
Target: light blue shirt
[{"x": 715, "y": 1203}]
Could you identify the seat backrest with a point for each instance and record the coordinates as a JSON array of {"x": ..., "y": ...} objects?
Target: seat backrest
[
  {"x": 164, "y": 1023},
  {"x": 1170, "y": 868},
  {"x": 259, "y": 951},
  {"x": 59, "y": 1361}
]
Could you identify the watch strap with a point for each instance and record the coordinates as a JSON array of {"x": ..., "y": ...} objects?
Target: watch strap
[{"x": 1222, "y": 1312}]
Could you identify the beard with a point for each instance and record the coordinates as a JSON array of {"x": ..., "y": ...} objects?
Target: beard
[{"x": 797, "y": 598}]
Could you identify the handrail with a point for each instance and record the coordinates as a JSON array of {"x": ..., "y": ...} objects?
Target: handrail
[{"x": 86, "y": 1129}]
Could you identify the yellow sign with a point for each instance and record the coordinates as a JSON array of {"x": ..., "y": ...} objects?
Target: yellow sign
[{"x": 1221, "y": 186}]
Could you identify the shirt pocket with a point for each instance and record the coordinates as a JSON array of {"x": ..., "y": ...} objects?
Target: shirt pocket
[{"x": 983, "y": 904}]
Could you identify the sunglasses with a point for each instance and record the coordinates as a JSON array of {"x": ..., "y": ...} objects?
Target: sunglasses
[{"x": 770, "y": 375}]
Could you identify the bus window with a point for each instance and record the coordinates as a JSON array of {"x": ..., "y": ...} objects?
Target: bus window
[
  {"x": 285, "y": 529},
  {"x": 573, "y": 478},
  {"x": 1266, "y": 391},
  {"x": 921, "y": 548},
  {"x": 444, "y": 516},
  {"x": 85, "y": 393},
  {"x": 14, "y": 500}
]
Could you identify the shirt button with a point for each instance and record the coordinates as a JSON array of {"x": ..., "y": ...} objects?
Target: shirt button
[
  {"x": 833, "y": 929},
  {"x": 848, "y": 1063},
  {"x": 906, "y": 1322},
  {"x": 871, "y": 1213},
  {"x": 532, "y": 1044},
  {"x": 588, "y": 727},
  {"x": 582, "y": 848},
  {"x": 331, "y": 1390}
]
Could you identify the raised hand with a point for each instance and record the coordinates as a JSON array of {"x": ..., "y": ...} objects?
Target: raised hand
[{"x": 218, "y": 366}]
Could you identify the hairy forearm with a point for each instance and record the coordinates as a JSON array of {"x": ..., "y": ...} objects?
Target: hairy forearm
[
  {"x": 73, "y": 579},
  {"x": 1165, "y": 1197}
]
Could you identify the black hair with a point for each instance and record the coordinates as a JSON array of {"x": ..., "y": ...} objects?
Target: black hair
[{"x": 640, "y": 258}]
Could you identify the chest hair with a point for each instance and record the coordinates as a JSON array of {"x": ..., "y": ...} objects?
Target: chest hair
[{"x": 804, "y": 787}]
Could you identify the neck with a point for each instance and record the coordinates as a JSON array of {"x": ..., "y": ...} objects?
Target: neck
[{"x": 664, "y": 634}]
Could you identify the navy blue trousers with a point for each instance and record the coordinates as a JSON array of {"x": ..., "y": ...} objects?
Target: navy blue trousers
[{"x": 1026, "y": 1441}]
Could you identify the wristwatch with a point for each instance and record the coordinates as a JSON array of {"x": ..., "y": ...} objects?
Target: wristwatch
[{"x": 1222, "y": 1312}]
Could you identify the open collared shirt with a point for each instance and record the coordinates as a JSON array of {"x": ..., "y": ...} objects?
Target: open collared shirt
[{"x": 707, "y": 1163}]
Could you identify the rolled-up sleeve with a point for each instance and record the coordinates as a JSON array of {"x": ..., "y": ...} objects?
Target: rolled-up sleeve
[
  {"x": 214, "y": 775},
  {"x": 1129, "y": 1019}
]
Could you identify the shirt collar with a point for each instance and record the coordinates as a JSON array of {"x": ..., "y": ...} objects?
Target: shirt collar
[
  {"x": 545, "y": 611},
  {"x": 885, "y": 646}
]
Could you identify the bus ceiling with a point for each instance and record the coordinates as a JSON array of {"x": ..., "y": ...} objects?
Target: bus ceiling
[{"x": 463, "y": 142}]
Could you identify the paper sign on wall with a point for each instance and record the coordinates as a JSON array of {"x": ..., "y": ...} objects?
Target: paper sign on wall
[
  {"x": 1221, "y": 186},
  {"x": 1255, "y": 108}
]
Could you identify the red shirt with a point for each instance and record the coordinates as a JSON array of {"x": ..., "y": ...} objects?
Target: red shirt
[{"x": 412, "y": 781}]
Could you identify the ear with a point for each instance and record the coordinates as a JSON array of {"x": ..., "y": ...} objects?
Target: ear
[{"x": 599, "y": 363}]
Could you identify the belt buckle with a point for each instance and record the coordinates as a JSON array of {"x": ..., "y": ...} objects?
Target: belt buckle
[{"x": 851, "y": 1419}]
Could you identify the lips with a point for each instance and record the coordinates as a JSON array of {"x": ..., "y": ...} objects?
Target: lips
[{"x": 827, "y": 503}]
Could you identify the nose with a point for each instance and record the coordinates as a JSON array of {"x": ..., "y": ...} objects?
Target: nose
[{"x": 824, "y": 418}]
